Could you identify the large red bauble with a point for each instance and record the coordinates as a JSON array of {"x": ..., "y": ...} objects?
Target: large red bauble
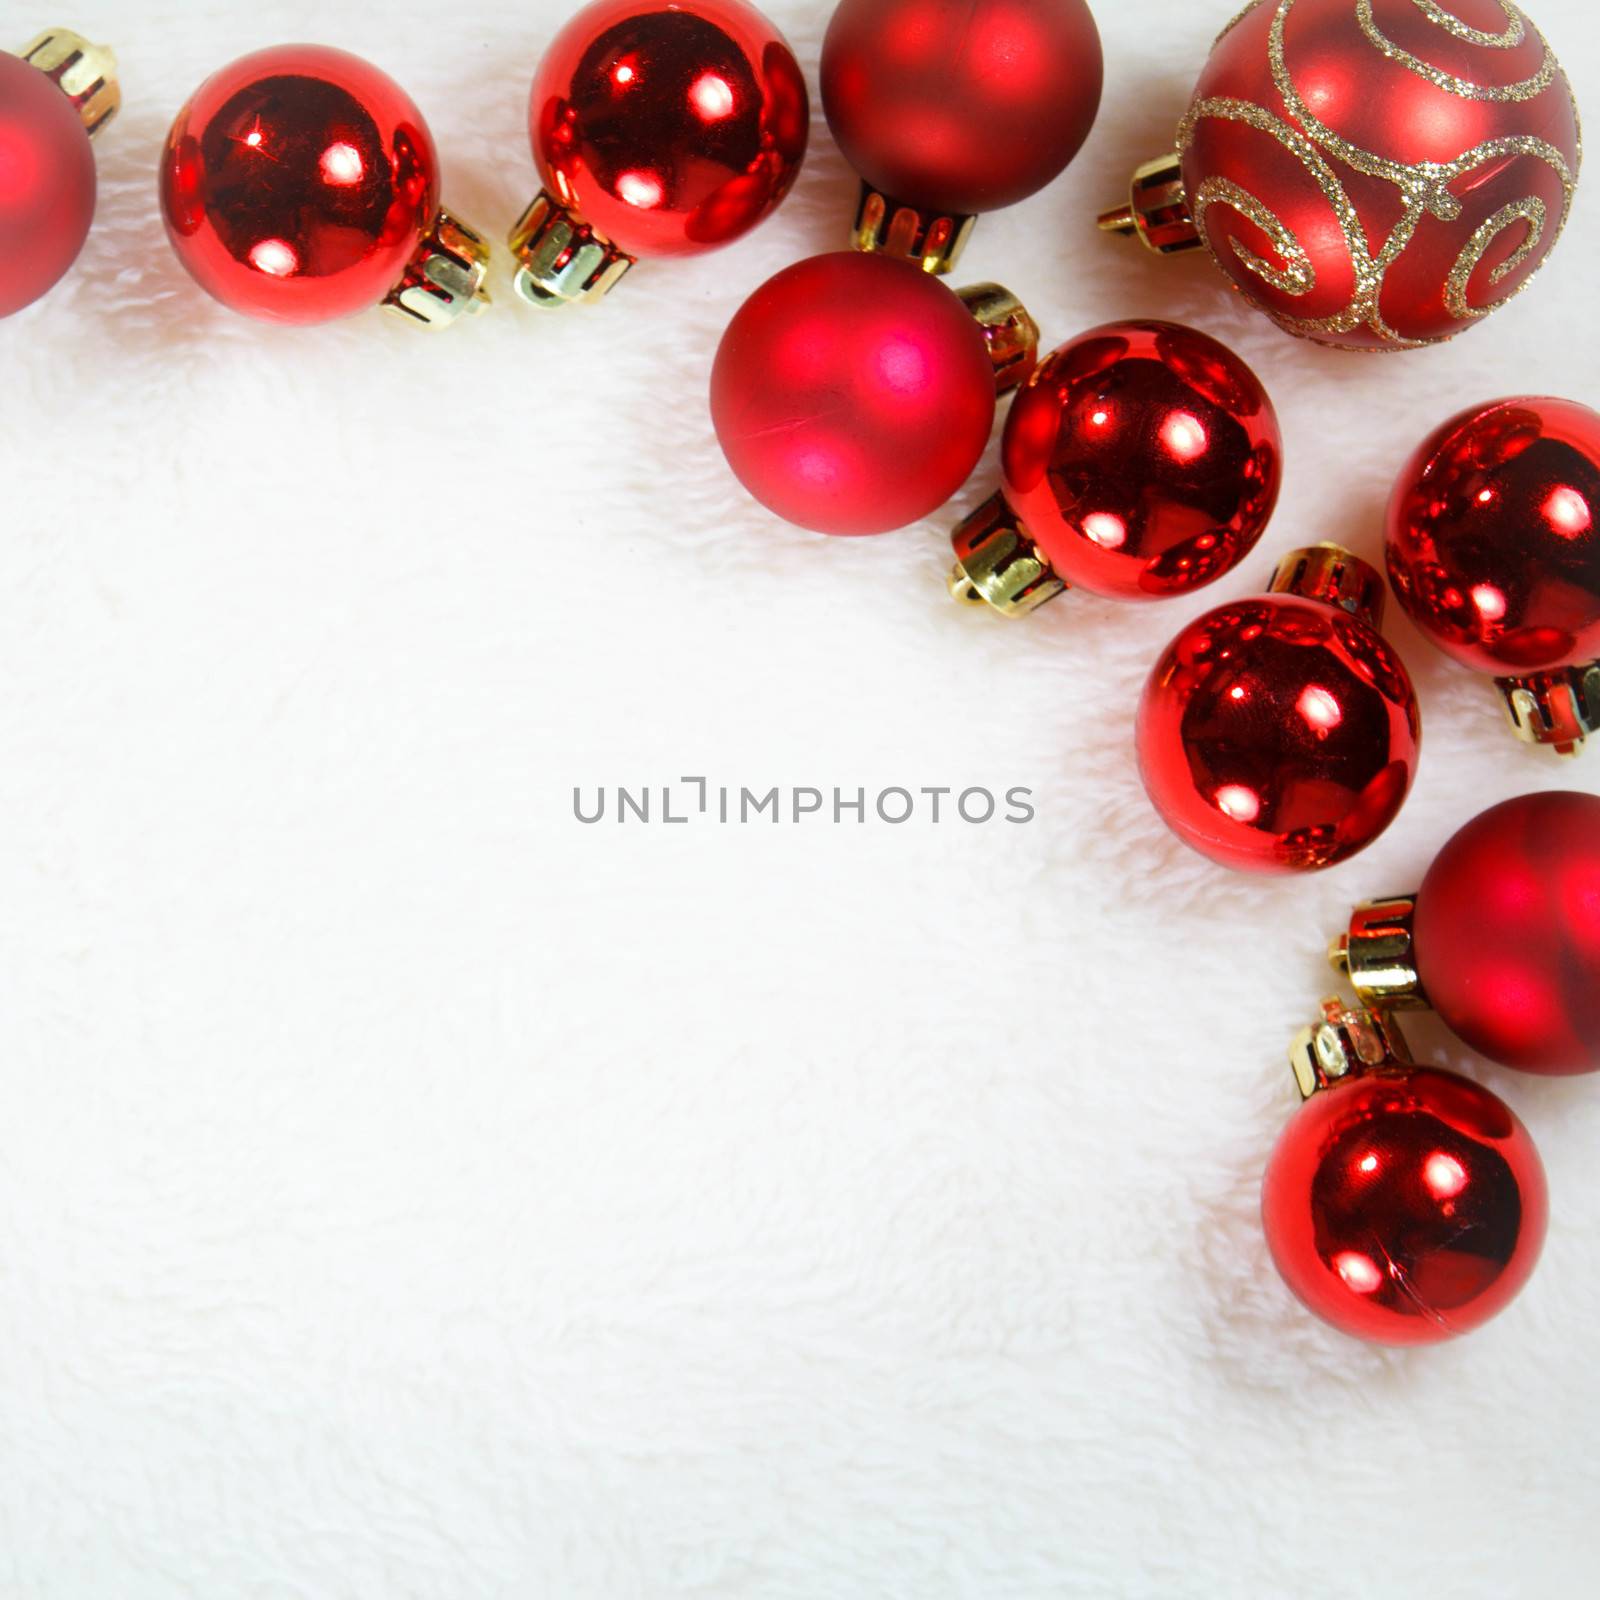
[
  {"x": 1382, "y": 174},
  {"x": 853, "y": 393},
  {"x": 47, "y": 184},
  {"x": 1493, "y": 546},
  {"x": 1506, "y": 933},
  {"x": 960, "y": 106},
  {"x": 1405, "y": 1205},
  {"x": 1281, "y": 733},
  {"x": 297, "y": 184},
  {"x": 669, "y": 129},
  {"x": 1143, "y": 458}
]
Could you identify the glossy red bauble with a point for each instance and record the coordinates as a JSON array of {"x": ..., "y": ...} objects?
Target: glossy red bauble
[
  {"x": 1376, "y": 175},
  {"x": 668, "y": 129},
  {"x": 1405, "y": 1205},
  {"x": 1281, "y": 733},
  {"x": 960, "y": 106},
  {"x": 853, "y": 394},
  {"x": 1506, "y": 933},
  {"x": 1494, "y": 536},
  {"x": 1143, "y": 459},
  {"x": 47, "y": 184},
  {"x": 298, "y": 183}
]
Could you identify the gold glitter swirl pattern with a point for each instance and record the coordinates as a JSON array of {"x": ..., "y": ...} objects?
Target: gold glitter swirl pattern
[
  {"x": 1424, "y": 186},
  {"x": 1448, "y": 81},
  {"x": 1531, "y": 211},
  {"x": 1515, "y": 33},
  {"x": 1297, "y": 276}
]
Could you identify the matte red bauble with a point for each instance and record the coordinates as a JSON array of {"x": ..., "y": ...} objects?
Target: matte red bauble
[
  {"x": 301, "y": 184},
  {"x": 948, "y": 108},
  {"x": 1402, "y": 1204},
  {"x": 1374, "y": 176},
  {"x": 1503, "y": 938},
  {"x": 1494, "y": 551},
  {"x": 1281, "y": 734},
  {"x": 54, "y": 97},
  {"x": 1140, "y": 460},
  {"x": 658, "y": 130},
  {"x": 853, "y": 394}
]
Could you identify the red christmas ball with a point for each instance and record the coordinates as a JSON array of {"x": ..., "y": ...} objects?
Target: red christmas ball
[
  {"x": 1492, "y": 545},
  {"x": 47, "y": 184},
  {"x": 853, "y": 393},
  {"x": 1281, "y": 733},
  {"x": 298, "y": 183},
  {"x": 669, "y": 130},
  {"x": 960, "y": 106},
  {"x": 1143, "y": 458},
  {"x": 1506, "y": 933},
  {"x": 1380, "y": 175},
  {"x": 1405, "y": 1205}
]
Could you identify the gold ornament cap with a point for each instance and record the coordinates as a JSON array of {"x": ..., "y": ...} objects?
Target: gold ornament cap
[
  {"x": 998, "y": 564},
  {"x": 85, "y": 73},
  {"x": 1331, "y": 574},
  {"x": 1559, "y": 710},
  {"x": 1157, "y": 209},
  {"x": 929, "y": 239},
  {"x": 1348, "y": 1039},
  {"x": 560, "y": 260},
  {"x": 446, "y": 279},
  {"x": 1008, "y": 330},
  {"x": 1376, "y": 953}
]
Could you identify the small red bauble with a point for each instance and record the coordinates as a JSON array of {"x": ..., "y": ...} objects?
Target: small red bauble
[
  {"x": 658, "y": 130},
  {"x": 1503, "y": 938},
  {"x": 947, "y": 108},
  {"x": 53, "y": 97},
  {"x": 1402, "y": 1204},
  {"x": 300, "y": 184},
  {"x": 1281, "y": 734},
  {"x": 1371, "y": 176},
  {"x": 1494, "y": 550},
  {"x": 1140, "y": 460},
  {"x": 853, "y": 394}
]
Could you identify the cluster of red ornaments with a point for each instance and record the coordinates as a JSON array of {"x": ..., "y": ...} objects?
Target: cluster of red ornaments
[{"x": 1370, "y": 176}]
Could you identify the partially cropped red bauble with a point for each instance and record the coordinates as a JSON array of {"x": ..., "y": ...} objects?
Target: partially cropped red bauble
[
  {"x": 669, "y": 130},
  {"x": 1405, "y": 1206},
  {"x": 1507, "y": 933},
  {"x": 1493, "y": 544},
  {"x": 1381, "y": 175},
  {"x": 1143, "y": 458},
  {"x": 298, "y": 183},
  {"x": 1281, "y": 733},
  {"x": 960, "y": 106},
  {"x": 47, "y": 184},
  {"x": 853, "y": 393}
]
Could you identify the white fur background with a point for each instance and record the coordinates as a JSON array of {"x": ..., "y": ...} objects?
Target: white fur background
[{"x": 409, "y": 1194}]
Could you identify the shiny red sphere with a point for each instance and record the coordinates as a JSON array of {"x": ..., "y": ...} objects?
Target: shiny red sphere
[
  {"x": 1405, "y": 1206},
  {"x": 1144, "y": 459},
  {"x": 47, "y": 184},
  {"x": 853, "y": 393},
  {"x": 1506, "y": 933},
  {"x": 1493, "y": 544},
  {"x": 960, "y": 106},
  {"x": 1393, "y": 176},
  {"x": 1278, "y": 735},
  {"x": 297, "y": 184},
  {"x": 670, "y": 130}
]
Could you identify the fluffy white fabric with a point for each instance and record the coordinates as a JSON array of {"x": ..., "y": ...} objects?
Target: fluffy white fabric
[{"x": 409, "y": 1193}]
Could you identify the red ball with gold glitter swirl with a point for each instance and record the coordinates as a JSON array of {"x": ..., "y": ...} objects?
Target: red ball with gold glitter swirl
[{"x": 1374, "y": 174}]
